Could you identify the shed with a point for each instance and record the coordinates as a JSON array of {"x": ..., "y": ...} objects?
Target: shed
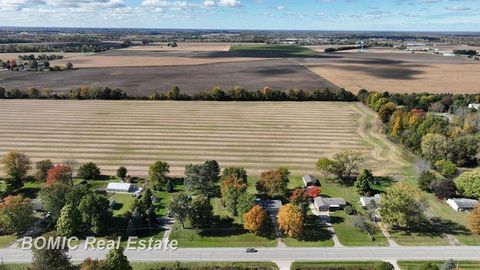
[
  {"x": 367, "y": 201},
  {"x": 309, "y": 180},
  {"x": 326, "y": 204},
  {"x": 120, "y": 187},
  {"x": 462, "y": 204}
]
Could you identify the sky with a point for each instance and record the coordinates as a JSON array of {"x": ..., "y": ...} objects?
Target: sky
[{"x": 381, "y": 15}]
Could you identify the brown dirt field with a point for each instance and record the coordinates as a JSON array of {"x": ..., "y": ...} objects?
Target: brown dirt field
[
  {"x": 193, "y": 47},
  {"x": 103, "y": 61},
  {"x": 400, "y": 72}
]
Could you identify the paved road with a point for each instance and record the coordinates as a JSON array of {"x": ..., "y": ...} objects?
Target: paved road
[{"x": 273, "y": 254}]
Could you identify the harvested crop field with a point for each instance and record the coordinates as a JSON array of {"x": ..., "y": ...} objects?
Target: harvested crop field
[
  {"x": 144, "y": 81},
  {"x": 257, "y": 136},
  {"x": 398, "y": 72}
]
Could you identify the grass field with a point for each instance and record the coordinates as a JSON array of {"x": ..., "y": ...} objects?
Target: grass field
[
  {"x": 337, "y": 265},
  {"x": 257, "y": 136},
  {"x": 415, "y": 265}
]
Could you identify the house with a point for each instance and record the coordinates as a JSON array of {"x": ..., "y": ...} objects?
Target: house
[
  {"x": 310, "y": 180},
  {"x": 367, "y": 201},
  {"x": 462, "y": 204},
  {"x": 120, "y": 188},
  {"x": 327, "y": 204},
  {"x": 475, "y": 106}
]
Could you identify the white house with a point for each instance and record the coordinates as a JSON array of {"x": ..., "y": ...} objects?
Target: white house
[
  {"x": 120, "y": 188},
  {"x": 462, "y": 204},
  {"x": 367, "y": 201}
]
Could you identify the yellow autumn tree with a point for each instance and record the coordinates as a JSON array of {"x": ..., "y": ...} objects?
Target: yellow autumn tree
[
  {"x": 474, "y": 220},
  {"x": 253, "y": 219},
  {"x": 291, "y": 220}
]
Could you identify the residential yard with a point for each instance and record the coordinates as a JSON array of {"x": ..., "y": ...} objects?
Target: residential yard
[
  {"x": 414, "y": 265},
  {"x": 406, "y": 238},
  {"x": 224, "y": 232},
  {"x": 315, "y": 235},
  {"x": 351, "y": 236},
  {"x": 123, "y": 203}
]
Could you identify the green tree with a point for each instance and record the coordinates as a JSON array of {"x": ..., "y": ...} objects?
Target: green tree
[
  {"x": 425, "y": 180},
  {"x": 386, "y": 111},
  {"x": 363, "y": 183},
  {"x": 231, "y": 190},
  {"x": 468, "y": 184},
  {"x": 324, "y": 165},
  {"x": 93, "y": 209},
  {"x": 56, "y": 196},
  {"x": 116, "y": 260},
  {"x": 41, "y": 169},
  {"x": 245, "y": 202},
  {"x": 434, "y": 147},
  {"x": 122, "y": 172},
  {"x": 463, "y": 150},
  {"x": 402, "y": 206},
  {"x": 237, "y": 172},
  {"x": 89, "y": 171},
  {"x": 201, "y": 212},
  {"x": 202, "y": 178},
  {"x": 16, "y": 214},
  {"x": 446, "y": 168},
  {"x": 16, "y": 165},
  {"x": 50, "y": 258},
  {"x": 346, "y": 164},
  {"x": 158, "y": 173},
  {"x": 179, "y": 206},
  {"x": 67, "y": 224}
]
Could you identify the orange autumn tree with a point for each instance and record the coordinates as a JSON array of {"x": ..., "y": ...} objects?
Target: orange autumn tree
[
  {"x": 273, "y": 183},
  {"x": 59, "y": 173},
  {"x": 16, "y": 214},
  {"x": 291, "y": 220},
  {"x": 253, "y": 220},
  {"x": 474, "y": 220}
]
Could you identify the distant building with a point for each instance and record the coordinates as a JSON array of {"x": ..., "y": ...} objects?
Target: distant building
[
  {"x": 120, "y": 188},
  {"x": 327, "y": 204},
  {"x": 475, "y": 106},
  {"x": 462, "y": 204},
  {"x": 367, "y": 201},
  {"x": 309, "y": 180}
]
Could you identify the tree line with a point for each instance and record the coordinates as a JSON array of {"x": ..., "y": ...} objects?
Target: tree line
[{"x": 216, "y": 94}]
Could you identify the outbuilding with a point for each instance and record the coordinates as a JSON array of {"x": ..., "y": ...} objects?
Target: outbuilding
[
  {"x": 462, "y": 204},
  {"x": 310, "y": 180},
  {"x": 326, "y": 204},
  {"x": 120, "y": 188}
]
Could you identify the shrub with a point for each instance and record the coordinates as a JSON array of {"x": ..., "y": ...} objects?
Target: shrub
[
  {"x": 445, "y": 189},
  {"x": 425, "y": 180},
  {"x": 350, "y": 210},
  {"x": 446, "y": 168},
  {"x": 384, "y": 266},
  {"x": 429, "y": 266}
]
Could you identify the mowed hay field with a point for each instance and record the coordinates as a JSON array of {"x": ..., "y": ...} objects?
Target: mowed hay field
[{"x": 257, "y": 136}]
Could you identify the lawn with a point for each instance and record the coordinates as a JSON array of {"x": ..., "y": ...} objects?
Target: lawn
[
  {"x": 406, "y": 238},
  {"x": 225, "y": 231},
  {"x": 414, "y": 265},
  {"x": 123, "y": 203},
  {"x": 7, "y": 240},
  {"x": 277, "y": 51},
  {"x": 351, "y": 236},
  {"x": 232, "y": 235},
  {"x": 338, "y": 265},
  {"x": 315, "y": 234}
]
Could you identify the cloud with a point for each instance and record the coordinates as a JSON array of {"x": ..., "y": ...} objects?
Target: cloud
[
  {"x": 229, "y": 3},
  {"x": 281, "y": 7},
  {"x": 457, "y": 8}
]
